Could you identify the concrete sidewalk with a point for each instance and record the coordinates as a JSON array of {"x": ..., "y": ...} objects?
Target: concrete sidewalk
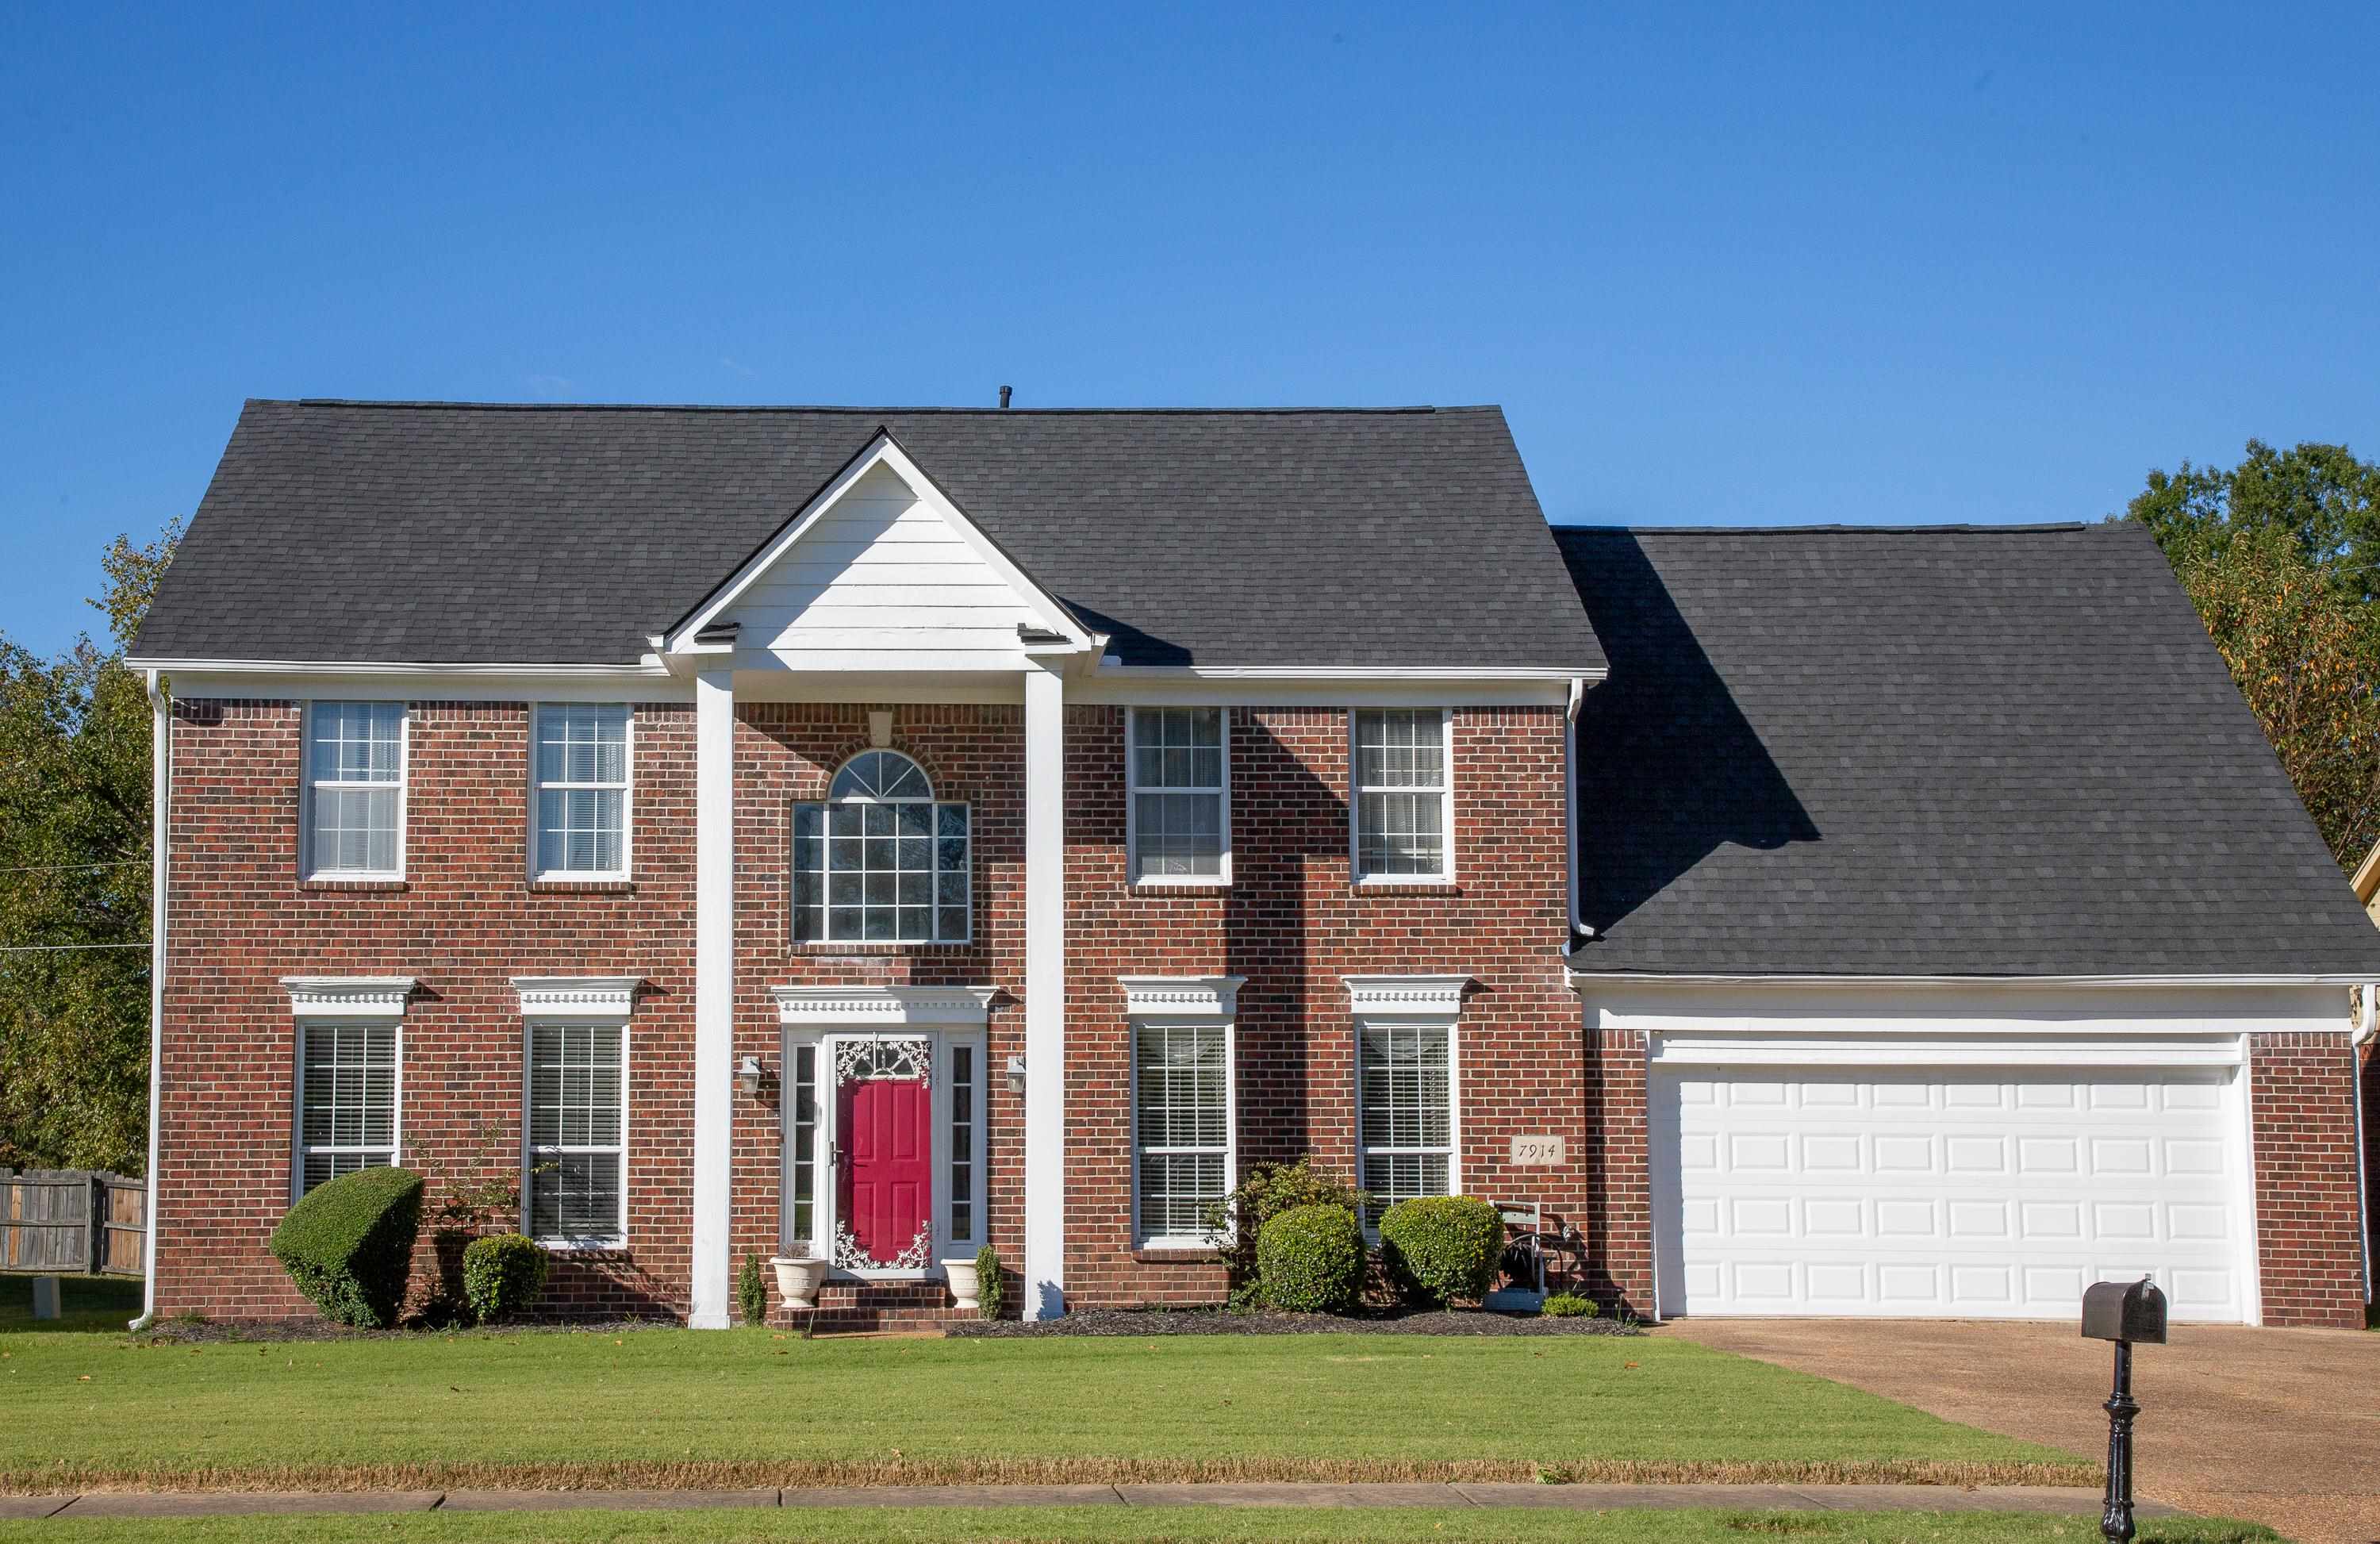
[{"x": 1582, "y": 1498}]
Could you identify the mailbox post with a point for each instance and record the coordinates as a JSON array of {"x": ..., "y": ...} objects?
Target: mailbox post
[{"x": 2123, "y": 1312}]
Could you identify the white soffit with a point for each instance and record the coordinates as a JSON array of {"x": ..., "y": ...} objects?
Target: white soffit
[
  {"x": 1180, "y": 996},
  {"x": 578, "y": 997},
  {"x": 1428, "y": 996},
  {"x": 348, "y": 996},
  {"x": 887, "y": 1007}
]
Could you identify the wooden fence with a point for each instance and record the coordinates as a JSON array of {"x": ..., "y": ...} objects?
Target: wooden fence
[{"x": 66, "y": 1221}]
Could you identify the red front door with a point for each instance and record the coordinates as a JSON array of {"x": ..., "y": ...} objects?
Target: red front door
[{"x": 887, "y": 1183}]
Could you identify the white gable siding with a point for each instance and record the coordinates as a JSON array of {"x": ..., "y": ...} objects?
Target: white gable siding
[{"x": 882, "y": 582}]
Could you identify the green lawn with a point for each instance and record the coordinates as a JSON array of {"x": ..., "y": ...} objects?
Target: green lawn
[
  {"x": 750, "y": 1407},
  {"x": 1108, "y": 1525},
  {"x": 84, "y": 1303}
]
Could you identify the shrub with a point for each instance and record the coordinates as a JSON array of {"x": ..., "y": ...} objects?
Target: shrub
[
  {"x": 1238, "y": 1221},
  {"x": 1310, "y": 1260},
  {"x": 752, "y": 1292},
  {"x": 990, "y": 1283},
  {"x": 1438, "y": 1248},
  {"x": 348, "y": 1244},
  {"x": 1568, "y": 1305},
  {"x": 502, "y": 1275}
]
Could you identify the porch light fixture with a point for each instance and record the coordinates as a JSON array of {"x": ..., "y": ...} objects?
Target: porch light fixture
[
  {"x": 747, "y": 1077},
  {"x": 1016, "y": 1075}
]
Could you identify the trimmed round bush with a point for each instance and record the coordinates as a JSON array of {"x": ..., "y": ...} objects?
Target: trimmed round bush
[
  {"x": 348, "y": 1244},
  {"x": 1568, "y": 1305},
  {"x": 1310, "y": 1260},
  {"x": 502, "y": 1275},
  {"x": 1440, "y": 1248}
]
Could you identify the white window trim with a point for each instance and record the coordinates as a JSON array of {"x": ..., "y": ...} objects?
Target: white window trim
[
  {"x": 806, "y": 1023},
  {"x": 933, "y": 800},
  {"x": 1132, "y": 788},
  {"x": 331, "y": 999},
  {"x": 567, "y": 1000},
  {"x": 539, "y": 874},
  {"x": 1203, "y": 1002},
  {"x": 1445, "y": 876},
  {"x": 306, "y": 786},
  {"x": 1406, "y": 999}
]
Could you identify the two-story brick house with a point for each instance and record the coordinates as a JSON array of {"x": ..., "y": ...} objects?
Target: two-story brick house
[{"x": 886, "y": 832}]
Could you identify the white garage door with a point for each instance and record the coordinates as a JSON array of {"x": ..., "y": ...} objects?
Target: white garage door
[{"x": 1951, "y": 1191}]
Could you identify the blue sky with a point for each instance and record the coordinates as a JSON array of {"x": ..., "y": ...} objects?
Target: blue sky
[{"x": 1720, "y": 264}]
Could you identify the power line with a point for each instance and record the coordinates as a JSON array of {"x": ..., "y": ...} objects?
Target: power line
[
  {"x": 61, "y": 948},
  {"x": 77, "y": 868}
]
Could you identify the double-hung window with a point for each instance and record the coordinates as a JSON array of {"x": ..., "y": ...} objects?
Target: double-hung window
[
  {"x": 1181, "y": 1116},
  {"x": 881, "y": 861},
  {"x": 1178, "y": 768},
  {"x": 582, "y": 791},
  {"x": 1403, "y": 788},
  {"x": 355, "y": 790},
  {"x": 1404, "y": 1109},
  {"x": 577, "y": 1191},
  {"x": 347, "y": 1098}
]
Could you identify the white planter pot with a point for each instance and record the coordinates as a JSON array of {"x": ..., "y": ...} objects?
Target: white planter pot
[
  {"x": 964, "y": 1284},
  {"x": 797, "y": 1280}
]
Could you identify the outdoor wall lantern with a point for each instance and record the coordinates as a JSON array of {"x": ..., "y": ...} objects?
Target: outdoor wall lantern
[
  {"x": 747, "y": 1077},
  {"x": 1016, "y": 1075},
  {"x": 2123, "y": 1312}
]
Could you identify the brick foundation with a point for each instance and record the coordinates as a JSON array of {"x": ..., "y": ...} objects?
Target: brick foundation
[{"x": 2302, "y": 1093}]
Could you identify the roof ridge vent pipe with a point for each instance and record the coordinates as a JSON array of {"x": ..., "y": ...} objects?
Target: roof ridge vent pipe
[{"x": 1003, "y": 395}]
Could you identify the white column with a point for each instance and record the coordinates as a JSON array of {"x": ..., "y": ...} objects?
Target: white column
[
  {"x": 1045, "y": 995},
  {"x": 714, "y": 987}
]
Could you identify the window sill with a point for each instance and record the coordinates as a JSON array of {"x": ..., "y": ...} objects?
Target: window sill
[
  {"x": 1162, "y": 1252},
  {"x": 591, "y": 885},
  {"x": 847, "y": 946},
  {"x": 359, "y": 881},
  {"x": 1406, "y": 883},
  {"x": 584, "y": 1246},
  {"x": 1186, "y": 881}
]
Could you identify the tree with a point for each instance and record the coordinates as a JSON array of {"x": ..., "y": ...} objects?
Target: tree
[
  {"x": 2281, "y": 556},
  {"x": 74, "y": 870}
]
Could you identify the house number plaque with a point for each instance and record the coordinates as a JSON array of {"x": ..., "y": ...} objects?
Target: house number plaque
[{"x": 1536, "y": 1152}]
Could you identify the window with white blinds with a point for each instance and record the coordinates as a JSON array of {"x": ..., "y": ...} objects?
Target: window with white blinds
[
  {"x": 1406, "y": 1111},
  {"x": 1181, "y": 1112},
  {"x": 582, "y": 790},
  {"x": 1403, "y": 794},
  {"x": 576, "y": 1188},
  {"x": 355, "y": 790},
  {"x": 347, "y": 1100}
]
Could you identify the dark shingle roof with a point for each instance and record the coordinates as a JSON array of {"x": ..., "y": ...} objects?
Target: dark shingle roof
[
  {"x": 1947, "y": 751},
  {"x": 453, "y": 533}
]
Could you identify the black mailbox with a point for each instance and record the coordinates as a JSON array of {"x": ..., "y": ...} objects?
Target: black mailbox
[{"x": 2124, "y": 1311}]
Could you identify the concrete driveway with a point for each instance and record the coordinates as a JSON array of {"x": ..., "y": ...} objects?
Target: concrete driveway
[{"x": 2280, "y": 1426}]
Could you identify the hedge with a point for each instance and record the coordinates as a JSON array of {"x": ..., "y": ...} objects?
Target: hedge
[
  {"x": 1438, "y": 1248},
  {"x": 1310, "y": 1260},
  {"x": 348, "y": 1244},
  {"x": 502, "y": 1275}
]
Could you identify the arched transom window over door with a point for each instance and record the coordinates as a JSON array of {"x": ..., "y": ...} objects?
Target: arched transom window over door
[{"x": 881, "y": 860}]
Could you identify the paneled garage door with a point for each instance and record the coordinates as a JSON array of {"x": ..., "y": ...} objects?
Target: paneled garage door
[{"x": 1949, "y": 1192}]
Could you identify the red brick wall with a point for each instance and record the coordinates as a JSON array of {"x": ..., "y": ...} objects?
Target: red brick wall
[
  {"x": 463, "y": 922},
  {"x": 1292, "y": 924},
  {"x": 2302, "y": 1093},
  {"x": 1620, "y": 1199}
]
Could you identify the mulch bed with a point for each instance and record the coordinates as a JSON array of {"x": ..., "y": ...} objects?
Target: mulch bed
[{"x": 1222, "y": 1322}]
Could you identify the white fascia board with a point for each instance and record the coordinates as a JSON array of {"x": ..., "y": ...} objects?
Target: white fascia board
[
  {"x": 577, "y": 997},
  {"x": 348, "y": 996},
  {"x": 883, "y": 450},
  {"x": 868, "y": 1007},
  {"x": 2096, "y": 1050},
  {"x": 647, "y": 668},
  {"x": 1580, "y": 980},
  {"x": 1181, "y": 996},
  {"x": 511, "y": 683}
]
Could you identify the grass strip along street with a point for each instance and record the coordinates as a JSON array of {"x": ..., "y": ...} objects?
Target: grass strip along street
[{"x": 666, "y": 1407}]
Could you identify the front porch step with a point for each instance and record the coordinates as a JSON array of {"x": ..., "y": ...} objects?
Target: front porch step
[{"x": 844, "y": 1306}]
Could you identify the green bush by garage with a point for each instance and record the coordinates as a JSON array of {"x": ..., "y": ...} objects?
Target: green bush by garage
[{"x": 1443, "y": 1249}]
